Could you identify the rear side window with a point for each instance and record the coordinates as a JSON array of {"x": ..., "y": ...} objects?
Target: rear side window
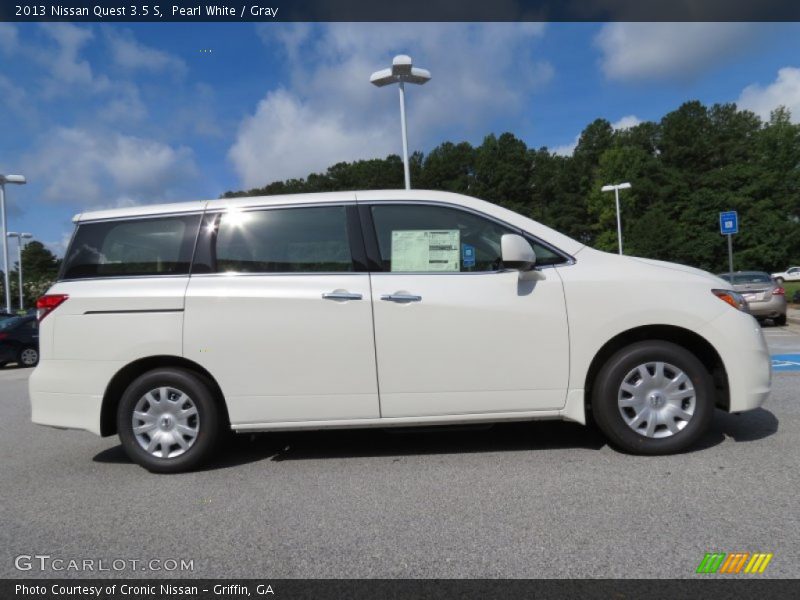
[
  {"x": 286, "y": 240},
  {"x": 153, "y": 246}
]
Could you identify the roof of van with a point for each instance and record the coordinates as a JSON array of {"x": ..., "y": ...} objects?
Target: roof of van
[{"x": 567, "y": 244}]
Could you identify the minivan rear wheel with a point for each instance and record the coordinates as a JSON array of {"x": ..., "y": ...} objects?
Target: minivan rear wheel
[
  {"x": 653, "y": 397},
  {"x": 168, "y": 420}
]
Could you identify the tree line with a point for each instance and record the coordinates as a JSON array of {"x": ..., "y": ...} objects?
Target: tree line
[
  {"x": 39, "y": 270},
  {"x": 685, "y": 169}
]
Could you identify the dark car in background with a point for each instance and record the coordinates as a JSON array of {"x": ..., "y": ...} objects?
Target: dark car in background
[
  {"x": 766, "y": 298},
  {"x": 19, "y": 341}
]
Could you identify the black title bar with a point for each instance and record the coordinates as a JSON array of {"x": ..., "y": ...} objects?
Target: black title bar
[
  {"x": 158, "y": 11},
  {"x": 701, "y": 587}
]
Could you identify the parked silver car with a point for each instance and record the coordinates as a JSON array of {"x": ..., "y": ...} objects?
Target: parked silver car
[{"x": 766, "y": 297}]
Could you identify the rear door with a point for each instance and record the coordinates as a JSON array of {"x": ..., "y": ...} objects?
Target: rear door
[{"x": 278, "y": 310}]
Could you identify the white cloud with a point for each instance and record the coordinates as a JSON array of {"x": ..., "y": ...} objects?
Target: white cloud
[
  {"x": 567, "y": 149},
  {"x": 79, "y": 166},
  {"x": 15, "y": 98},
  {"x": 287, "y": 138},
  {"x": 784, "y": 91},
  {"x": 8, "y": 38},
  {"x": 125, "y": 105},
  {"x": 329, "y": 112},
  {"x": 129, "y": 53},
  {"x": 626, "y": 122},
  {"x": 644, "y": 51},
  {"x": 65, "y": 64}
]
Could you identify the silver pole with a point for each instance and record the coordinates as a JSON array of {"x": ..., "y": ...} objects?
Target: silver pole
[
  {"x": 730, "y": 257},
  {"x": 19, "y": 253},
  {"x": 619, "y": 220},
  {"x": 5, "y": 247},
  {"x": 405, "y": 134}
]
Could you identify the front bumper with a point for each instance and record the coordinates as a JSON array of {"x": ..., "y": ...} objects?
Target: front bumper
[{"x": 740, "y": 342}]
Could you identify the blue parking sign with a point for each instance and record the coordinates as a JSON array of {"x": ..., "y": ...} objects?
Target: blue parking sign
[{"x": 728, "y": 222}]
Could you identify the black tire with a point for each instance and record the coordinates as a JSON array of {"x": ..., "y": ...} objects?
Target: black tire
[
  {"x": 208, "y": 423},
  {"x": 606, "y": 391},
  {"x": 28, "y": 357},
  {"x": 779, "y": 320},
  {"x": 779, "y": 280}
]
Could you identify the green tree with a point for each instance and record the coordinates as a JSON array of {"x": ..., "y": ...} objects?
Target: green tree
[{"x": 39, "y": 269}]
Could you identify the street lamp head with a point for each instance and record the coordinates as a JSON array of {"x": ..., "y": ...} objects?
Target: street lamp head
[
  {"x": 382, "y": 78},
  {"x": 26, "y": 236},
  {"x": 18, "y": 179},
  {"x": 401, "y": 65},
  {"x": 618, "y": 186},
  {"x": 403, "y": 70}
]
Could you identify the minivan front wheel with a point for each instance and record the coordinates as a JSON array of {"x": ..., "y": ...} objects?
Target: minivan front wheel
[
  {"x": 653, "y": 397},
  {"x": 168, "y": 421}
]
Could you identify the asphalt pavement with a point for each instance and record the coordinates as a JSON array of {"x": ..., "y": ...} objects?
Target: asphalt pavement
[{"x": 546, "y": 499}]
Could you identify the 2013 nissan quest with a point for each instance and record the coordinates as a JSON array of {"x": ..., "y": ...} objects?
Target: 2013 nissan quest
[{"x": 170, "y": 324}]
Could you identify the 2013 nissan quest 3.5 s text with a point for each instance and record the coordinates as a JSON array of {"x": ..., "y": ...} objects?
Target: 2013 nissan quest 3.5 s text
[{"x": 170, "y": 324}]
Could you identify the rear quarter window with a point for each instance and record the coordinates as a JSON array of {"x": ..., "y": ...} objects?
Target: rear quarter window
[{"x": 136, "y": 247}]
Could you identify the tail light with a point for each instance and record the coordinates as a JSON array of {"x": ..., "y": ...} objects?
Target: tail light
[
  {"x": 3, "y": 336},
  {"x": 779, "y": 291},
  {"x": 47, "y": 304}
]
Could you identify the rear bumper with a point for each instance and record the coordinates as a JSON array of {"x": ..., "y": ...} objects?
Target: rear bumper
[
  {"x": 740, "y": 343},
  {"x": 69, "y": 393},
  {"x": 774, "y": 307}
]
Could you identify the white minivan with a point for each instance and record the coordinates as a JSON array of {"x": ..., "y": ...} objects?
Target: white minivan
[{"x": 171, "y": 324}]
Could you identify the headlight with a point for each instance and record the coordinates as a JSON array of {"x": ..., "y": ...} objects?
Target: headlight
[{"x": 735, "y": 299}]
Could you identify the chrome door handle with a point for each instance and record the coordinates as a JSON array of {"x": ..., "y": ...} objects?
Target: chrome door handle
[
  {"x": 341, "y": 296},
  {"x": 401, "y": 298}
]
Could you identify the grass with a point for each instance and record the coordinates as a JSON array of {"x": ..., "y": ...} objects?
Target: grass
[{"x": 791, "y": 287}]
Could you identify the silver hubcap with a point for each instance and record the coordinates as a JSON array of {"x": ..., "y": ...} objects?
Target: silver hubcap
[
  {"x": 656, "y": 399},
  {"x": 29, "y": 356},
  {"x": 165, "y": 422}
]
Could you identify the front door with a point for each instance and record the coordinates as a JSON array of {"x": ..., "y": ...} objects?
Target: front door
[{"x": 455, "y": 333}]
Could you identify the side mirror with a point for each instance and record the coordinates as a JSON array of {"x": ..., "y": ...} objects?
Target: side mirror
[{"x": 517, "y": 253}]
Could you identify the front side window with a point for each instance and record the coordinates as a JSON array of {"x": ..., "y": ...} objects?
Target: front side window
[
  {"x": 438, "y": 239},
  {"x": 152, "y": 246},
  {"x": 284, "y": 240}
]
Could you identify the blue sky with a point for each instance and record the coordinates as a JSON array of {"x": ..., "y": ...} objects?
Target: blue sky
[{"x": 103, "y": 115}]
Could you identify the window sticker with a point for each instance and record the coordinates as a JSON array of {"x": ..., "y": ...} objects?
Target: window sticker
[
  {"x": 426, "y": 250},
  {"x": 467, "y": 256}
]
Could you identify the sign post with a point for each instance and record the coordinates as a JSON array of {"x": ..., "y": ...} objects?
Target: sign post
[{"x": 728, "y": 225}]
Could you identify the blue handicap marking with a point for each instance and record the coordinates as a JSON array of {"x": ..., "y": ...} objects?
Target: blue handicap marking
[
  {"x": 786, "y": 362},
  {"x": 468, "y": 255},
  {"x": 728, "y": 222}
]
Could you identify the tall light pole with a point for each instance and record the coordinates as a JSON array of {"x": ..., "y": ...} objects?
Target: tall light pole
[
  {"x": 616, "y": 188},
  {"x": 20, "y": 237},
  {"x": 4, "y": 179},
  {"x": 401, "y": 72}
]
